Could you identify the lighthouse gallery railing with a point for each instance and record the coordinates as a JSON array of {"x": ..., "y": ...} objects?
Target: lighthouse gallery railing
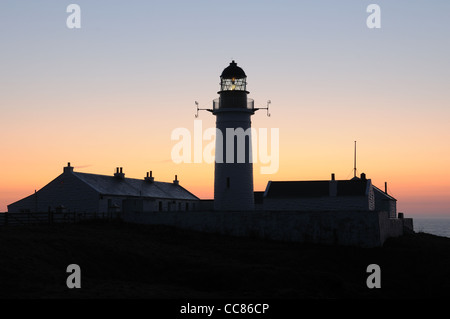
[{"x": 250, "y": 104}]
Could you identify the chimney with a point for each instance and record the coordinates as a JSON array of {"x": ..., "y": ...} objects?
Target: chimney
[
  {"x": 119, "y": 173},
  {"x": 385, "y": 187},
  {"x": 176, "y": 182},
  {"x": 149, "y": 178},
  {"x": 68, "y": 168},
  {"x": 363, "y": 176},
  {"x": 332, "y": 188}
]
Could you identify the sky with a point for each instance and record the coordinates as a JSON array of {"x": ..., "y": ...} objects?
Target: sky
[{"x": 109, "y": 94}]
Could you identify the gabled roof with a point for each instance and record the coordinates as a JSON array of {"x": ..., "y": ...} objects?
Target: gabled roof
[
  {"x": 378, "y": 191},
  {"x": 381, "y": 193},
  {"x": 110, "y": 185},
  {"x": 352, "y": 187},
  {"x": 297, "y": 189},
  {"x": 285, "y": 189}
]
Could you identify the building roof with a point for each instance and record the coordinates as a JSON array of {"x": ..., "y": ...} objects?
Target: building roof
[
  {"x": 285, "y": 189},
  {"x": 352, "y": 187},
  {"x": 111, "y": 185},
  {"x": 233, "y": 71},
  {"x": 384, "y": 194},
  {"x": 376, "y": 190}
]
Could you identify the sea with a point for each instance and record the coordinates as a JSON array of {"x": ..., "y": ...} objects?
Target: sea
[{"x": 435, "y": 226}]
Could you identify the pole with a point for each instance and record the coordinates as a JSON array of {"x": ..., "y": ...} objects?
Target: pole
[{"x": 354, "y": 169}]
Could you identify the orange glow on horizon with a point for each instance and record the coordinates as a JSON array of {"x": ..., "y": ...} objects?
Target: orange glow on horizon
[{"x": 110, "y": 93}]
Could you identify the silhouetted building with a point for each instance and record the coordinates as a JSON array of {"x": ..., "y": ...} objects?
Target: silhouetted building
[
  {"x": 82, "y": 192},
  {"x": 357, "y": 194},
  {"x": 385, "y": 202}
]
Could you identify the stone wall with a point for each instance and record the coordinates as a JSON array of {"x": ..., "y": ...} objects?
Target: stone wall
[{"x": 363, "y": 228}]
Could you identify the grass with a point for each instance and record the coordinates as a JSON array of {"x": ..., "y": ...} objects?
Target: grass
[{"x": 120, "y": 260}]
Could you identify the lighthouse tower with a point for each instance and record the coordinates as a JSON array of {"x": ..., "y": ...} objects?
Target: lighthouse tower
[{"x": 233, "y": 175}]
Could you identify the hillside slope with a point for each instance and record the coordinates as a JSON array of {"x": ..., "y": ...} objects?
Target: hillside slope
[{"x": 120, "y": 260}]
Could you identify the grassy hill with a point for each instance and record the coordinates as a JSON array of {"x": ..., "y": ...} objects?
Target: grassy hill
[{"x": 120, "y": 260}]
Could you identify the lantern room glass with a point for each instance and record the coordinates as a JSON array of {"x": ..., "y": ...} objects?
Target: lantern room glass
[{"x": 233, "y": 84}]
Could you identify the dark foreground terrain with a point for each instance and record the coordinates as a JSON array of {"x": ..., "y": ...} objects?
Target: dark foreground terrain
[{"x": 120, "y": 260}]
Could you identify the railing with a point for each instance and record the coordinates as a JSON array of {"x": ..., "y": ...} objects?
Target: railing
[
  {"x": 250, "y": 104},
  {"x": 17, "y": 219}
]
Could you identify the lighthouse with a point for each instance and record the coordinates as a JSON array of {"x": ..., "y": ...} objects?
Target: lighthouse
[{"x": 233, "y": 171}]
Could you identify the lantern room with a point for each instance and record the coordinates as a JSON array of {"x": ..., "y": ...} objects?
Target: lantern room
[
  {"x": 233, "y": 78},
  {"x": 233, "y": 93}
]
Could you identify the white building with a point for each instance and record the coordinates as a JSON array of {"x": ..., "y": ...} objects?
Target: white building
[
  {"x": 82, "y": 192},
  {"x": 233, "y": 173}
]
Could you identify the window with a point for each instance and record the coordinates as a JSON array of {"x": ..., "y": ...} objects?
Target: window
[
  {"x": 160, "y": 206},
  {"x": 228, "y": 182}
]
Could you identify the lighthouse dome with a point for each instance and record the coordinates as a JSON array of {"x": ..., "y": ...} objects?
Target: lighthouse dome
[{"x": 233, "y": 71}]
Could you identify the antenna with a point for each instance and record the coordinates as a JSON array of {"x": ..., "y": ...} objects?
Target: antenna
[{"x": 354, "y": 169}]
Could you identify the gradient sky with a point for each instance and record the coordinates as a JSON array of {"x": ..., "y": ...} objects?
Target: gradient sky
[{"x": 110, "y": 94}]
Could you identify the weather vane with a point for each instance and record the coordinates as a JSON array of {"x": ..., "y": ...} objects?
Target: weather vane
[
  {"x": 265, "y": 108},
  {"x": 198, "y": 109}
]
